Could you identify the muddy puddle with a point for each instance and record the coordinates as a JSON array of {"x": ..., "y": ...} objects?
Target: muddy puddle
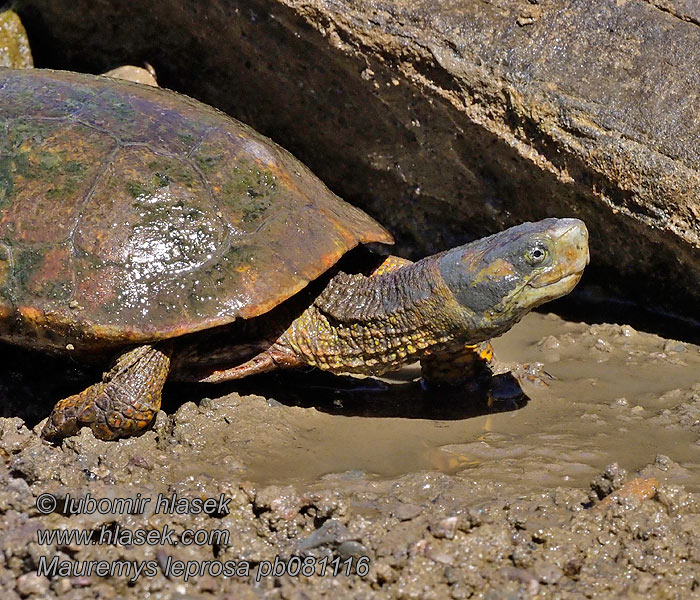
[
  {"x": 605, "y": 392},
  {"x": 602, "y": 393}
]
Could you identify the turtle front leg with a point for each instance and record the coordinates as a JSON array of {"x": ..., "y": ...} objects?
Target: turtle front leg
[
  {"x": 458, "y": 366},
  {"x": 123, "y": 404}
]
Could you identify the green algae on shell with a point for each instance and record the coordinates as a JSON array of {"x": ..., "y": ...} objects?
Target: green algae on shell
[{"x": 155, "y": 214}]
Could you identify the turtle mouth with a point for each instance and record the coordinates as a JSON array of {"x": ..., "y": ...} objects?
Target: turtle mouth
[
  {"x": 573, "y": 277},
  {"x": 551, "y": 290}
]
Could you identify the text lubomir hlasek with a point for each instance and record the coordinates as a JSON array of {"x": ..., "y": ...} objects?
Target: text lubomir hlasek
[{"x": 164, "y": 504}]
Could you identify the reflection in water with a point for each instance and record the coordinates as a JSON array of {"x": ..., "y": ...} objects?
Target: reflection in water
[{"x": 401, "y": 397}]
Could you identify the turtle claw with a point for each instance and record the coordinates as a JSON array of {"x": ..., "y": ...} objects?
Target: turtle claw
[
  {"x": 123, "y": 404},
  {"x": 63, "y": 420},
  {"x": 71, "y": 414},
  {"x": 110, "y": 411}
]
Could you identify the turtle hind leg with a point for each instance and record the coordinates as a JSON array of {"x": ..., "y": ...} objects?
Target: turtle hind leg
[
  {"x": 273, "y": 358},
  {"x": 124, "y": 403},
  {"x": 469, "y": 363}
]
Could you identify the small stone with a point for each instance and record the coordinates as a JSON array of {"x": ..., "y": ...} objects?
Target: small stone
[
  {"x": 70, "y": 347},
  {"x": 61, "y": 585},
  {"x": 637, "y": 410},
  {"x": 135, "y": 74},
  {"x": 674, "y": 346},
  {"x": 603, "y": 346},
  {"x": 573, "y": 567},
  {"x": 406, "y": 512},
  {"x": 31, "y": 583},
  {"x": 331, "y": 533},
  {"x": 549, "y": 343},
  {"x": 444, "y": 528},
  {"x": 662, "y": 462},
  {"x": 517, "y": 574},
  {"x": 140, "y": 461},
  {"x": 628, "y": 331},
  {"x": 611, "y": 479},
  {"x": 621, "y": 402},
  {"x": 367, "y": 74},
  {"x": 547, "y": 572},
  {"x": 438, "y": 556},
  {"x": 351, "y": 548},
  {"x": 385, "y": 574}
]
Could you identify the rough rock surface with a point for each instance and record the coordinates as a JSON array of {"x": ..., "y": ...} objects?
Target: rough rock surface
[{"x": 448, "y": 120}]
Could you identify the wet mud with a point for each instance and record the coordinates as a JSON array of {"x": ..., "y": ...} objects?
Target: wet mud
[{"x": 587, "y": 486}]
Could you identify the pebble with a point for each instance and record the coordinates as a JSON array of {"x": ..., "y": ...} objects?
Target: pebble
[
  {"x": 547, "y": 572},
  {"x": 444, "y": 528},
  {"x": 439, "y": 556},
  {"x": 385, "y": 574},
  {"x": 332, "y": 532},
  {"x": 31, "y": 583},
  {"x": 61, "y": 585},
  {"x": 662, "y": 462},
  {"x": 549, "y": 343},
  {"x": 406, "y": 512},
  {"x": 351, "y": 548},
  {"x": 674, "y": 346},
  {"x": 603, "y": 346}
]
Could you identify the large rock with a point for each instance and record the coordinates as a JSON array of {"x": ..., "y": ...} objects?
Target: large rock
[{"x": 448, "y": 120}]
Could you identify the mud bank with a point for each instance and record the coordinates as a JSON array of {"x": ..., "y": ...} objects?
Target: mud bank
[{"x": 521, "y": 503}]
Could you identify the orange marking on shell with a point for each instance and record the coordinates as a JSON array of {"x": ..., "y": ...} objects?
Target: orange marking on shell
[
  {"x": 98, "y": 288},
  {"x": 31, "y": 314},
  {"x": 55, "y": 267}
]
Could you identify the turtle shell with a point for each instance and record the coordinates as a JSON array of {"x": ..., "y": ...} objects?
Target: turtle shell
[{"x": 131, "y": 214}]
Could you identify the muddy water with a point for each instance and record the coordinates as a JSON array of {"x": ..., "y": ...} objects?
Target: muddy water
[{"x": 607, "y": 393}]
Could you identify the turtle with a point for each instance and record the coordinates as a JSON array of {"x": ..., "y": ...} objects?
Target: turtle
[{"x": 150, "y": 233}]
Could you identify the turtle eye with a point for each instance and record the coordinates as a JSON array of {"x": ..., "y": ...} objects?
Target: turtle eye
[{"x": 536, "y": 254}]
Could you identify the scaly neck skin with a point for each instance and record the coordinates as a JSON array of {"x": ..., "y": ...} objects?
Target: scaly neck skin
[{"x": 372, "y": 325}]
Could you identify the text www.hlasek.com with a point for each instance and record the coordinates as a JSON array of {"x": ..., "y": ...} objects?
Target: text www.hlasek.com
[{"x": 116, "y": 535}]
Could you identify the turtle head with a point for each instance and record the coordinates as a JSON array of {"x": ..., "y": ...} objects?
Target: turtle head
[{"x": 501, "y": 278}]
